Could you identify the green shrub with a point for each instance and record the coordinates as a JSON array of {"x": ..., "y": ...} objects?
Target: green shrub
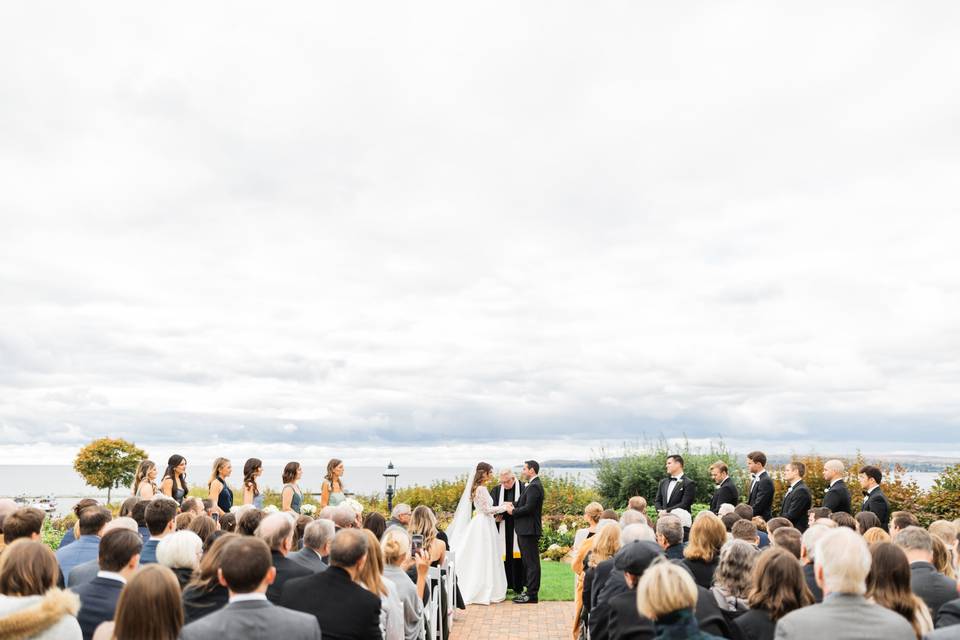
[
  {"x": 942, "y": 501},
  {"x": 51, "y": 533}
]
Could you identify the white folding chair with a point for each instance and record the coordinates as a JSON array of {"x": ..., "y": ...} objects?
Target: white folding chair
[
  {"x": 435, "y": 608},
  {"x": 451, "y": 584}
]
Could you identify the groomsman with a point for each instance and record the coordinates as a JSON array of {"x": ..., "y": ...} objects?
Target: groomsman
[
  {"x": 837, "y": 497},
  {"x": 797, "y": 501},
  {"x": 509, "y": 491},
  {"x": 726, "y": 492},
  {"x": 874, "y": 501},
  {"x": 677, "y": 491},
  {"x": 761, "y": 485}
]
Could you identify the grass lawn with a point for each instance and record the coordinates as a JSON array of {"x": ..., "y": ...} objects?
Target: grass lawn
[{"x": 556, "y": 581}]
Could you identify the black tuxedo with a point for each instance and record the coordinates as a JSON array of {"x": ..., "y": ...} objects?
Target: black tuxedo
[
  {"x": 528, "y": 523},
  {"x": 682, "y": 497},
  {"x": 761, "y": 496},
  {"x": 344, "y": 609},
  {"x": 877, "y": 503},
  {"x": 511, "y": 565},
  {"x": 796, "y": 505},
  {"x": 98, "y": 602},
  {"x": 726, "y": 493},
  {"x": 837, "y": 497},
  {"x": 287, "y": 569}
]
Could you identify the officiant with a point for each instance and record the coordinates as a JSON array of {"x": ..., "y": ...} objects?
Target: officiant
[{"x": 509, "y": 490}]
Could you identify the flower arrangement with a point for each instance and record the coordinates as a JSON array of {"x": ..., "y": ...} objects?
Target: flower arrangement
[
  {"x": 308, "y": 509},
  {"x": 271, "y": 508}
]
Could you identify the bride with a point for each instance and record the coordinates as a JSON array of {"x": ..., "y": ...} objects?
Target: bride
[{"x": 476, "y": 542}]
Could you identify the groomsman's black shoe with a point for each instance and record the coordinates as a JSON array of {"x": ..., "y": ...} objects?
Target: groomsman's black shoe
[{"x": 521, "y": 599}]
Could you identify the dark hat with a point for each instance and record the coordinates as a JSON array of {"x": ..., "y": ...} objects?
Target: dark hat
[{"x": 635, "y": 557}]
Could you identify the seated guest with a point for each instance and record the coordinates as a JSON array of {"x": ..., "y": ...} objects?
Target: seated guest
[
  {"x": 30, "y": 605},
  {"x": 776, "y": 523},
  {"x": 888, "y": 585},
  {"x": 667, "y": 595},
  {"x": 874, "y": 535},
  {"x": 424, "y": 522},
  {"x": 213, "y": 537},
  {"x": 149, "y": 607},
  {"x": 87, "y": 571},
  {"x": 789, "y": 539},
  {"x": 842, "y": 562},
  {"x": 400, "y": 516},
  {"x": 183, "y": 520},
  {"x": 941, "y": 558},
  {"x": 247, "y": 571},
  {"x": 808, "y": 545},
  {"x": 637, "y": 503},
  {"x": 609, "y": 581},
  {"x": 591, "y": 513},
  {"x": 746, "y": 531},
  {"x": 277, "y": 531},
  {"x": 203, "y": 526},
  {"x": 71, "y": 534},
  {"x": 630, "y": 517},
  {"x": 298, "y": 529},
  {"x": 160, "y": 516},
  {"x": 248, "y": 521},
  {"x": 623, "y": 620},
  {"x": 207, "y": 507},
  {"x": 731, "y": 582},
  {"x": 935, "y": 588},
  {"x": 126, "y": 507},
  {"x": 702, "y": 553},
  {"x": 797, "y": 500},
  {"x": 24, "y": 523},
  {"x": 875, "y": 501},
  {"x": 726, "y": 490},
  {"x": 194, "y": 506},
  {"x": 746, "y": 512},
  {"x": 139, "y": 514},
  {"x": 949, "y": 616},
  {"x": 817, "y": 513},
  {"x": 900, "y": 520},
  {"x": 398, "y": 559},
  {"x": 228, "y": 523},
  {"x": 606, "y": 543},
  {"x": 180, "y": 552},
  {"x": 845, "y": 520},
  {"x": 346, "y": 518},
  {"x": 867, "y": 520},
  {"x": 947, "y": 532},
  {"x": 670, "y": 536},
  {"x": 344, "y": 609},
  {"x": 837, "y": 496},
  {"x": 685, "y": 521},
  {"x": 778, "y": 588},
  {"x": 371, "y": 576},
  {"x": 204, "y": 594},
  {"x": 92, "y": 522},
  {"x": 729, "y": 520},
  {"x": 119, "y": 558},
  {"x": 7, "y": 506},
  {"x": 316, "y": 545},
  {"x": 376, "y": 523}
]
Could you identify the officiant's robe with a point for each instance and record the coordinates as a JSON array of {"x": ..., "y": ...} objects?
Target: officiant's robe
[{"x": 512, "y": 564}]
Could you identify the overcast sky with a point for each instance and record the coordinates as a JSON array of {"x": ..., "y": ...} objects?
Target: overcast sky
[{"x": 347, "y": 227}]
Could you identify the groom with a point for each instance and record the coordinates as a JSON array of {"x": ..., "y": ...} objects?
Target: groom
[{"x": 527, "y": 516}]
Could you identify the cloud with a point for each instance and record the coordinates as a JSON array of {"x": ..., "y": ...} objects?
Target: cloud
[{"x": 441, "y": 226}]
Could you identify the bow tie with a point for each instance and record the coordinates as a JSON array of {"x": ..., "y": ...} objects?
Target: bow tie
[
  {"x": 674, "y": 479},
  {"x": 866, "y": 493},
  {"x": 754, "y": 476}
]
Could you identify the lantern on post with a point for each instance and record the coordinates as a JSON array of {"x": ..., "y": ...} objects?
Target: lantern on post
[{"x": 390, "y": 475}]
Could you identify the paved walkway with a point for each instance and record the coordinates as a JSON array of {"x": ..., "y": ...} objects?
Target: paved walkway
[{"x": 508, "y": 621}]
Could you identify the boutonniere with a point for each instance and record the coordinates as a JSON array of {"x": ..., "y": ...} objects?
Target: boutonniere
[{"x": 827, "y": 490}]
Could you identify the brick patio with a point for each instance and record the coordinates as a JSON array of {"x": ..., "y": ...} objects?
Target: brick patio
[{"x": 508, "y": 621}]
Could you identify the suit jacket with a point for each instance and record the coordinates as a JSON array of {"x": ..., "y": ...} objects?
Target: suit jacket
[
  {"x": 528, "y": 512},
  {"x": 761, "y": 496},
  {"x": 148, "y": 555},
  {"x": 755, "y": 624},
  {"x": 681, "y": 498},
  {"x": 84, "y": 549},
  {"x": 796, "y": 504},
  {"x": 933, "y": 587},
  {"x": 877, "y": 503},
  {"x": 287, "y": 569},
  {"x": 944, "y": 633},
  {"x": 253, "y": 619},
  {"x": 811, "y": 578},
  {"x": 344, "y": 609},
  {"x": 837, "y": 497},
  {"x": 949, "y": 614},
  {"x": 98, "y": 602},
  {"x": 625, "y": 621},
  {"x": 309, "y": 559},
  {"x": 83, "y": 573},
  {"x": 674, "y": 552},
  {"x": 725, "y": 493},
  {"x": 847, "y": 616}
]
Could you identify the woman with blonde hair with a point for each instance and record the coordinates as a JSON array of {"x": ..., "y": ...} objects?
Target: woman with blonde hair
[
  {"x": 30, "y": 604},
  {"x": 397, "y": 560},
  {"x": 424, "y": 523},
  {"x": 372, "y": 578},
  {"x": 667, "y": 595},
  {"x": 220, "y": 494},
  {"x": 145, "y": 480},
  {"x": 591, "y": 513},
  {"x": 947, "y": 532},
  {"x": 149, "y": 608},
  {"x": 941, "y": 558},
  {"x": 702, "y": 554},
  {"x": 873, "y": 535},
  {"x": 580, "y": 566},
  {"x": 332, "y": 491}
]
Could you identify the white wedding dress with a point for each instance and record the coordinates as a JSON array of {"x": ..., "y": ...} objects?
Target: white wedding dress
[{"x": 476, "y": 543}]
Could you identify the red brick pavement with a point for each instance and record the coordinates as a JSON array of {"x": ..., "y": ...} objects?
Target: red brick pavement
[{"x": 508, "y": 621}]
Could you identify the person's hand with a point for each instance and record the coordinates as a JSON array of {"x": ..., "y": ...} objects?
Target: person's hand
[
  {"x": 498, "y": 517},
  {"x": 509, "y": 506},
  {"x": 423, "y": 562}
]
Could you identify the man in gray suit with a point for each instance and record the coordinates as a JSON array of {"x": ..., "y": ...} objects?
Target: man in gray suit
[
  {"x": 316, "y": 545},
  {"x": 247, "y": 570},
  {"x": 932, "y": 586},
  {"x": 841, "y": 563}
]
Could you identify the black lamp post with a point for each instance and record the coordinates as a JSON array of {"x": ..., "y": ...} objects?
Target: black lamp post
[{"x": 390, "y": 475}]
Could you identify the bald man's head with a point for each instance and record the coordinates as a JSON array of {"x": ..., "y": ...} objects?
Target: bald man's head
[{"x": 277, "y": 531}]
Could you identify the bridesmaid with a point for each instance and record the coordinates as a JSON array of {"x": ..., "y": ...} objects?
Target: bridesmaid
[
  {"x": 252, "y": 469},
  {"x": 174, "y": 483},
  {"x": 290, "y": 496},
  {"x": 220, "y": 494},
  {"x": 145, "y": 482},
  {"x": 332, "y": 492}
]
